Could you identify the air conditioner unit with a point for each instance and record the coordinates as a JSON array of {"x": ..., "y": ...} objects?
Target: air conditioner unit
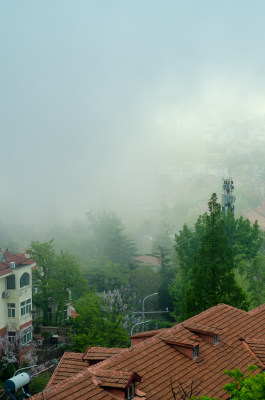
[
  {"x": 12, "y": 265},
  {"x": 5, "y": 294}
]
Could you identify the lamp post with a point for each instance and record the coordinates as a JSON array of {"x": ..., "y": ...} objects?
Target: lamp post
[
  {"x": 137, "y": 323},
  {"x": 143, "y": 309}
]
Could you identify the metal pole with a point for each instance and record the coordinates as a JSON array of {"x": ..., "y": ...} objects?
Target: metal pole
[
  {"x": 153, "y": 294},
  {"x": 137, "y": 323}
]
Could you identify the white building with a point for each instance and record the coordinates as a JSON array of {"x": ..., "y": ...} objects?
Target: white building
[{"x": 16, "y": 296}]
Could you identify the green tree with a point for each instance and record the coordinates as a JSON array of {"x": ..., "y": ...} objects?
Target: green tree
[
  {"x": 244, "y": 240},
  {"x": 108, "y": 238},
  {"x": 144, "y": 281},
  {"x": 97, "y": 325},
  {"x": 212, "y": 278},
  {"x": 44, "y": 255},
  {"x": 66, "y": 283},
  {"x": 187, "y": 246},
  {"x": 57, "y": 278},
  {"x": 255, "y": 276},
  {"x": 166, "y": 275},
  {"x": 103, "y": 274},
  {"x": 243, "y": 387}
]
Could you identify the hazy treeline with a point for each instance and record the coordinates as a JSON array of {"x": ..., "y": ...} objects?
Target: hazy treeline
[{"x": 103, "y": 277}]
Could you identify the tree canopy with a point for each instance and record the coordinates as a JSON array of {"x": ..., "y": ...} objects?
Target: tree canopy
[
  {"x": 208, "y": 256},
  {"x": 57, "y": 279},
  {"x": 243, "y": 387}
]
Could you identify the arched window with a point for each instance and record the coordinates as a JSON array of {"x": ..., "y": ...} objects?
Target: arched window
[{"x": 24, "y": 280}]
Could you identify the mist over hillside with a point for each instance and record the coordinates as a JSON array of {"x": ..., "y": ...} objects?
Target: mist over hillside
[{"x": 134, "y": 107}]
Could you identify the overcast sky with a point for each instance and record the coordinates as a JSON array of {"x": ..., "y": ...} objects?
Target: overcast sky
[{"x": 94, "y": 93}]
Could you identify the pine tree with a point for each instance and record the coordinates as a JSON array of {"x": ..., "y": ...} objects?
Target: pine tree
[{"x": 212, "y": 279}]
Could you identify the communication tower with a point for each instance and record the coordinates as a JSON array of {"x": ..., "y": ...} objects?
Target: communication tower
[{"x": 228, "y": 200}]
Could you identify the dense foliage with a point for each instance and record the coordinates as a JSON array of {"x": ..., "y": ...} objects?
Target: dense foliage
[
  {"x": 211, "y": 256},
  {"x": 212, "y": 278},
  {"x": 243, "y": 387},
  {"x": 56, "y": 279}
]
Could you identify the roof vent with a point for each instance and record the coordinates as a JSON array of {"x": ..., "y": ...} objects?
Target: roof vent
[{"x": 12, "y": 265}]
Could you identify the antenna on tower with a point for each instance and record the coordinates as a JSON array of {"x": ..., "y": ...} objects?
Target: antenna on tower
[{"x": 228, "y": 200}]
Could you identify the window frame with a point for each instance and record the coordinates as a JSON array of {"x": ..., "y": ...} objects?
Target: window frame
[
  {"x": 130, "y": 391},
  {"x": 26, "y": 336},
  {"x": 11, "y": 310},
  {"x": 216, "y": 338},
  {"x": 195, "y": 352},
  {"x": 24, "y": 280},
  {"x": 11, "y": 282},
  {"x": 11, "y": 336},
  {"x": 25, "y": 307}
]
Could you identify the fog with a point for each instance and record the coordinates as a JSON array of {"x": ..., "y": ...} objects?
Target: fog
[{"x": 129, "y": 106}]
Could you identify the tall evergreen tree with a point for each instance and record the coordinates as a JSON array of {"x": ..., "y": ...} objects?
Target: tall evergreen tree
[
  {"x": 245, "y": 242},
  {"x": 212, "y": 279}
]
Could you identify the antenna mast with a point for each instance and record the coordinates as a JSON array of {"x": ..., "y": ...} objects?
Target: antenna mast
[{"x": 228, "y": 200}]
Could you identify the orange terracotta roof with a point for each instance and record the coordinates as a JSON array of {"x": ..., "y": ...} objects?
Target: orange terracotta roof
[
  {"x": 19, "y": 259},
  {"x": 258, "y": 347},
  {"x": 80, "y": 386},
  {"x": 69, "y": 365},
  {"x": 148, "y": 333},
  {"x": 163, "y": 368},
  {"x": 199, "y": 328},
  {"x": 100, "y": 353},
  {"x": 117, "y": 379}
]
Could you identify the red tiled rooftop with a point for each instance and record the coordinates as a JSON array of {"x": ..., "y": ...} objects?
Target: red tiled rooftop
[
  {"x": 19, "y": 259},
  {"x": 163, "y": 367},
  {"x": 148, "y": 333},
  {"x": 100, "y": 353},
  {"x": 69, "y": 365},
  {"x": 117, "y": 379}
]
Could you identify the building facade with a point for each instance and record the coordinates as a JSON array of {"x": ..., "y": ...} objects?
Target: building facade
[{"x": 16, "y": 297}]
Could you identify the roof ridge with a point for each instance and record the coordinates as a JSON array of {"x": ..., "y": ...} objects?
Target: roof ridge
[
  {"x": 211, "y": 309},
  {"x": 86, "y": 370},
  {"x": 127, "y": 350},
  {"x": 257, "y": 309}
]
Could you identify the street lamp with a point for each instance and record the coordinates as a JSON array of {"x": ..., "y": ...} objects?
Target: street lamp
[
  {"x": 137, "y": 323},
  {"x": 153, "y": 294}
]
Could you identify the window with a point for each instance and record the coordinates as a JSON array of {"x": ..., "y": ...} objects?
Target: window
[
  {"x": 25, "y": 307},
  {"x": 26, "y": 335},
  {"x": 11, "y": 282},
  {"x": 215, "y": 339},
  {"x": 130, "y": 392},
  {"x": 195, "y": 351},
  {"x": 24, "y": 280},
  {"x": 65, "y": 313},
  {"x": 11, "y": 310},
  {"x": 49, "y": 313},
  {"x": 11, "y": 336}
]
